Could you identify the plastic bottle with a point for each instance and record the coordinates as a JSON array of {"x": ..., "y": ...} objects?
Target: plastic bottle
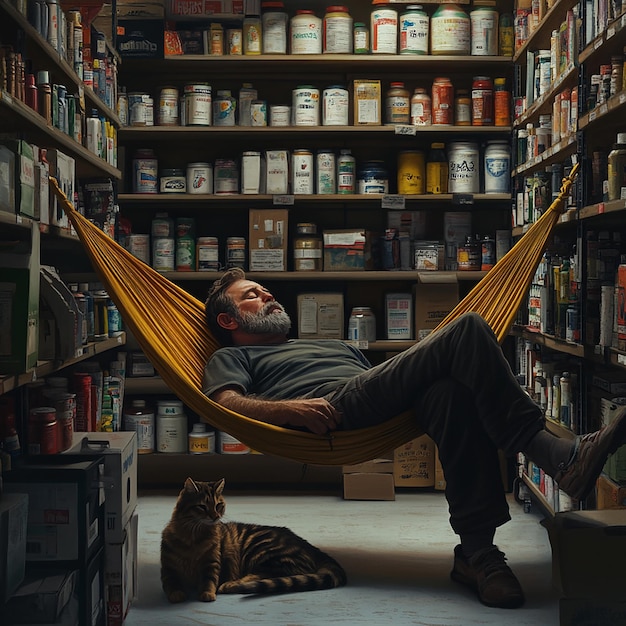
[
  {"x": 436, "y": 169},
  {"x": 617, "y": 169}
]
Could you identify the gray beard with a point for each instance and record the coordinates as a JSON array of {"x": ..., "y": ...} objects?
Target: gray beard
[{"x": 262, "y": 323}]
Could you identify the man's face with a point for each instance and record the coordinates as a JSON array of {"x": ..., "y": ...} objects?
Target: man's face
[{"x": 256, "y": 311}]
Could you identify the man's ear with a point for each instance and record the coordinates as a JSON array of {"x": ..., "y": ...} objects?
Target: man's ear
[{"x": 226, "y": 321}]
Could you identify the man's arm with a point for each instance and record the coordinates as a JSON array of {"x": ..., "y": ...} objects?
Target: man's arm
[{"x": 314, "y": 414}]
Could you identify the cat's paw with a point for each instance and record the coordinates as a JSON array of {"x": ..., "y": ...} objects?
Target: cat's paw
[
  {"x": 228, "y": 587},
  {"x": 176, "y": 596},
  {"x": 208, "y": 596}
]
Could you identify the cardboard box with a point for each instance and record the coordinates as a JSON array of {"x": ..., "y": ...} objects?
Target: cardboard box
[
  {"x": 42, "y": 596},
  {"x": 429, "y": 255},
  {"x": 433, "y": 302},
  {"x": 268, "y": 240},
  {"x": 63, "y": 168},
  {"x": 252, "y": 173},
  {"x": 19, "y": 305},
  {"x": 368, "y": 486},
  {"x": 119, "y": 450},
  {"x": 367, "y": 102},
  {"x": 120, "y": 577},
  {"x": 609, "y": 494},
  {"x": 588, "y": 549},
  {"x": 321, "y": 316},
  {"x": 345, "y": 249},
  {"x": 277, "y": 172},
  {"x": 414, "y": 463},
  {"x": 141, "y": 38},
  {"x": 399, "y": 316},
  {"x": 7, "y": 180},
  {"x": 375, "y": 466},
  {"x": 591, "y": 612},
  {"x": 13, "y": 525},
  {"x": 24, "y": 177}
]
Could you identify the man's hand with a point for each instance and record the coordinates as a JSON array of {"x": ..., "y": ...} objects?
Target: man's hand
[{"x": 314, "y": 414}]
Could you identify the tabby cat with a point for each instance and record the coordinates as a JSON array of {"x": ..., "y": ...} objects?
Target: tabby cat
[{"x": 199, "y": 550}]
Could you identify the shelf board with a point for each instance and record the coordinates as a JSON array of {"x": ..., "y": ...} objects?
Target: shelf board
[
  {"x": 550, "y": 342},
  {"x": 609, "y": 41},
  {"x": 46, "y": 368},
  {"x": 537, "y": 495},
  {"x": 616, "y": 104},
  {"x": 602, "y": 208},
  {"x": 564, "y": 148}
]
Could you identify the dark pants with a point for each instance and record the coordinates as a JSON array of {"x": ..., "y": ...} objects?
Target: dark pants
[{"x": 467, "y": 399}]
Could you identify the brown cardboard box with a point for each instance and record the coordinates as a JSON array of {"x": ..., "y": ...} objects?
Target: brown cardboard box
[
  {"x": 368, "y": 486},
  {"x": 321, "y": 316},
  {"x": 440, "y": 479},
  {"x": 609, "y": 494},
  {"x": 434, "y": 300},
  {"x": 268, "y": 239},
  {"x": 375, "y": 466},
  {"x": 414, "y": 463}
]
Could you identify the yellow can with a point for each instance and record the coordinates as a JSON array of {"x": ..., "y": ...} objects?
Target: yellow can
[{"x": 411, "y": 172}]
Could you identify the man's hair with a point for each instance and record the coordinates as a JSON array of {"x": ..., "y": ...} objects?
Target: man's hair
[{"x": 219, "y": 302}]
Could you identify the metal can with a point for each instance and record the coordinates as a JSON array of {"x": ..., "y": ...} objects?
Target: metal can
[
  {"x": 326, "y": 172},
  {"x": 306, "y": 106},
  {"x": 372, "y": 177},
  {"x": 497, "y": 167},
  {"x": 442, "y": 101},
  {"x": 197, "y": 104},
  {"x": 484, "y": 31},
  {"x": 145, "y": 168},
  {"x": 463, "y": 167},
  {"x": 168, "y": 106},
  {"x": 337, "y": 30},
  {"x": 224, "y": 108},
  {"x": 172, "y": 180},
  {"x": 384, "y": 28},
  {"x": 162, "y": 226},
  {"x": 258, "y": 113},
  {"x": 482, "y": 101},
  {"x": 302, "y": 172},
  {"x": 280, "y": 115},
  {"x": 42, "y": 431},
  {"x": 199, "y": 178},
  {"x": 362, "y": 324},
  {"x": 140, "y": 419},
  {"x": 414, "y": 24},
  {"x": 236, "y": 252},
  {"x": 82, "y": 385},
  {"x": 140, "y": 109},
  {"x": 171, "y": 423},
  {"x": 335, "y": 106},
  {"x": 421, "y": 110},
  {"x": 411, "y": 166},
  {"x": 487, "y": 253},
  {"x": 225, "y": 177},
  {"x": 65, "y": 405},
  {"x": 207, "y": 251},
  {"x": 139, "y": 246},
  {"x": 234, "y": 41},
  {"x": 305, "y": 33},
  {"x": 346, "y": 172},
  {"x": 101, "y": 318},
  {"x": 307, "y": 248},
  {"x": 163, "y": 254}
]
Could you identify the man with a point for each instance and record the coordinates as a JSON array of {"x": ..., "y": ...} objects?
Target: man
[{"x": 459, "y": 384}]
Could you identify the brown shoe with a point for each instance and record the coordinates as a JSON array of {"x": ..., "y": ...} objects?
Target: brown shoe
[
  {"x": 487, "y": 573},
  {"x": 579, "y": 475}
]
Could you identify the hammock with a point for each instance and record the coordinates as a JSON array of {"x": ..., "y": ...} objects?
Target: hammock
[{"x": 170, "y": 326}]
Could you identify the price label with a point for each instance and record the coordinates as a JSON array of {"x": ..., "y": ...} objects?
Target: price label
[
  {"x": 610, "y": 32},
  {"x": 462, "y": 198},
  {"x": 621, "y": 359},
  {"x": 600, "y": 208},
  {"x": 283, "y": 200},
  {"x": 393, "y": 201},
  {"x": 604, "y": 108},
  {"x": 593, "y": 115},
  {"x": 622, "y": 97},
  {"x": 598, "y": 43},
  {"x": 405, "y": 129}
]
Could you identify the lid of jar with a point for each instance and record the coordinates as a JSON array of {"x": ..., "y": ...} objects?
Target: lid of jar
[
  {"x": 272, "y": 5},
  {"x": 138, "y": 403},
  {"x": 359, "y": 24},
  {"x": 420, "y": 90},
  {"x": 336, "y": 8},
  {"x": 397, "y": 84},
  {"x": 499, "y": 81},
  {"x": 305, "y": 12},
  {"x": 171, "y": 172}
]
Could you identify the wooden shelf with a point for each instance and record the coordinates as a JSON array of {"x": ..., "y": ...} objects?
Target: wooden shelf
[
  {"x": 539, "y": 498},
  {"x": 552, "y": 343}
]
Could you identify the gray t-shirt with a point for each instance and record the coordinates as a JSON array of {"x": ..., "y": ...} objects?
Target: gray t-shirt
[{"x": 297, "y": 368}]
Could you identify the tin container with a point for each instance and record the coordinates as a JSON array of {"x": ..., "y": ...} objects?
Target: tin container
[
  {"x": 325, "y": 172},
  {"x": 163, "y": 254},
  {"x": 307, "y": 248},
  {"x": 337, "y": 30},
  {"x": 258, "y": 113},
  {"x": 139, "y": 246},
  {"x": 225, "y": 177},
  {"x": 280, "y": 115},
  {"x": 414, "y": 30},
  {"x": 463, "y": 167},
  {"x": 145, "y": 168},
  {"x": 82, "y": 382},
  {"x": 302, "y": 181},
  {"x": 199, "y": 178},
  {"x": 442, "y": 102},
  {"x": 275, "y": 22},
  {"x": 362, "y": 324},
  {"x": 306, "y": 106},
  {"x": 171, "y": 431},
  {"x": 65, "y": 405},
  {"x": 252, "y": 35},
  {"x": 497, "y": 167},
  {"x": 168, "y": 107},
  {"x": 346, "y": 172},
  {"x": 236, "y": 252},
  {"x": 224, "y": 107},
  {"x": 42, "y": 431},
  {"x": 140, "y": 419},
  {"x": 172, "y": 180},
  {"x": 482, "y": 101},
  {"x": 335, "y": 106},
  {"x": 450, "y": 32},
  {"x": 484, "y": 31},
  {"x": 384, "y": 29},
  {"x": 421, "y": 108},
  {"x": 207, "y": 254},
  {"x": 234, "y": 41},
  {"x": 411, "y": 174},
  {"x": 197, "y": 99},
  {"x": 372, "y": 177},
  {"x": 305, "y": 33},
  {"x": 397, "y": 104}
]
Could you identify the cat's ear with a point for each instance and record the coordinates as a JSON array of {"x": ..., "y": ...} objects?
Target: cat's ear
[
  {"x": 190, "y": 485},
  {"x": 219, "y": 486}
]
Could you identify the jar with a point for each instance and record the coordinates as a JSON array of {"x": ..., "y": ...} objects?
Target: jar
[
  {"x": 197, "y": 99},
  {"x": 337, "y": 30},
  {"x": 172, "y": 180},
  {"x": 145, "y": 167},
  {"x": 280, "y": 115},
  {"x": 362, "y": 324},
  {"x": 168, "y": 106},
  {"x": 258, "y": 113},
  {"x": 346, "y": 172},
  {"x": 497, "y": 167},
  {"x": 501, "y": 103},
  {"x": 225, "y": 177},
  {"x": 163, "y": 254},
  {"x": 305, "y": 33},
  {"x": 617, "y": 169},
  {"x": 306, "y": 106},
  {"x": 171, "y": 436},
  {"x": 139, "y": 419},
  {"x": 482, "y": 101},
  {"x": 207, "y": 254},
  {"x": 234, "y": 41},
  {"x": 201, "y": 441},
  {"x": 384, "y": 28},
  {"x": 140, "y": 109},
  {"x": 462, "y": 108},
  {"x": 361, "y": 37},
  {"x": 469, "y": 255},
  {"x": 224, "y": 108},
  {"x": 325, "y": 172},
  {"x": 162, "y": 226},
  {"x": 437, "y": 169},
  {"x": 274, "y": 20},
  {"x": 442, "y": 101},
  {"x": 397, "y": 104},
  {"x": 302, "y": 172},
  {"x": 421, "y": 111},
  {"x": 307, "y": 248},
  {"x": 372, "y": 177},
  {"x": 199, "y": 178},
  {"x": 484, "y": 31},
  {"x": 414, "y": 23},
  {"x": 236, "y": 252},
  {"x": 335, "y": 106},
  {"x": 463, "y": 167},
  {"x": 252, "y": 35},
  {"x": 450, "y": 31},
  {"x": 411, "y": 172}
]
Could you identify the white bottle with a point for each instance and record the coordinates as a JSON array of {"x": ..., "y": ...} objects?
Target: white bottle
[{"x": 94, "y": 133}]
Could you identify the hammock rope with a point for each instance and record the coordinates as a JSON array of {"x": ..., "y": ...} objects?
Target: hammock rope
[{"x": 170, "y": 326}]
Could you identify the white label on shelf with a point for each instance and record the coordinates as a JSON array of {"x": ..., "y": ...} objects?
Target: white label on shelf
[
  {"x": 393, "y": 201},
  {"x": 621, "y": 359},
  {"x": 593, "y": 115},
  {"x": 361, "y": 344},
  {"x": 405, "y": 129},
  {"x": 610, "y": 32},
  {"x": 283, "y": 200},
  {"x": 604, "y": 108},
  {"x": 598, "y": 43}
]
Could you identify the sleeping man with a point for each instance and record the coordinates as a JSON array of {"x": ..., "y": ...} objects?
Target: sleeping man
[{"x": 458, "y": 383}]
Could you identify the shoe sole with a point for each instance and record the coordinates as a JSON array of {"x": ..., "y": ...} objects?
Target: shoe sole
[{"x": 513, "y": 603}]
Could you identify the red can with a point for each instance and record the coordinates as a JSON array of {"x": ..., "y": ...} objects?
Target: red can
[
  {"x": 443, "y": 102},
  {"x": 482, "y": 101},
  {"x": 84, "y": 403},
  {"x": 66, "y": 414},
  {"x": 42, "y": 431}
]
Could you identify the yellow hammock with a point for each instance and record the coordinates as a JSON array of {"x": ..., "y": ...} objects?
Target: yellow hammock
[{"x": 170, "y": 326}]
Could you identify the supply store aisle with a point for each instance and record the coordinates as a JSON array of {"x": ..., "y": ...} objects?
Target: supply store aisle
[{"x": 397, "y": 555}]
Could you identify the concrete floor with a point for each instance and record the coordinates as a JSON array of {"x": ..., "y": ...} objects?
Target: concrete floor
[{"x": 398, "y": 557}]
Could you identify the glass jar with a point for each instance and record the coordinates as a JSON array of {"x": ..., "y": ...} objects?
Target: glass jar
[
  {"x": 361, "y": 44},
  {"x": 421, "y": 109},
  {"x": 462, "y": 108},
  {"x": 307, "y": 248}
]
